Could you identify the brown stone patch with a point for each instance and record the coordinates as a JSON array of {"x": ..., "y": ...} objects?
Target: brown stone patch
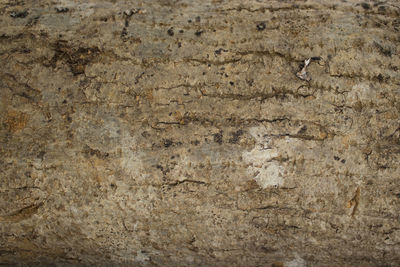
[{"x": 16, "y": 120}]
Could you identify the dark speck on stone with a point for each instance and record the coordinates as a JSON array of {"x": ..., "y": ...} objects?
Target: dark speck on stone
[
  {"x": 303, "y": 129},
  {"x": 21, "y": 14},
  {"x": 62, "y": 9},
  {"x": 336, "y": 158},
  {"x": 218, "y": 51},
  {"x": 316, "y": 58},
  {"x": 170, "y": 32},
  {"x": 236, "y": 136},
  {"x": 218, "y": 137},
  {"x": 198, "y": 33},
  {"x": 261, "y": 26},
  {"x": 196, "y": 142},
  {"x": 365, "y": 6},
  {"x": 343, "y": 161},
  {"x": 168, "y": 142}
]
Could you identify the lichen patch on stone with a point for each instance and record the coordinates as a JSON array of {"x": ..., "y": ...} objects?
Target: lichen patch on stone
[{"x": 265, "y": 171}]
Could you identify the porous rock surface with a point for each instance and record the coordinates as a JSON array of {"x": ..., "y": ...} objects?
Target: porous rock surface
[{"x": 177, "y": 133}]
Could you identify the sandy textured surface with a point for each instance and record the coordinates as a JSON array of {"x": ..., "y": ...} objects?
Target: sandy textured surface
[{"x": 183, "y": 133}]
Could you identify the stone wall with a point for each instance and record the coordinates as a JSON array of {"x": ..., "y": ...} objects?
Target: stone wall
[{"x": 193, "y": 133}]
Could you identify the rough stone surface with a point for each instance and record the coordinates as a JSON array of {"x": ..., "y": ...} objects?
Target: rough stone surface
[{"x": 177, "y": 133}]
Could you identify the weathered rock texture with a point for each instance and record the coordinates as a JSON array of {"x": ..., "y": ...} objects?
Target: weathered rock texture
[{"x": 176, "y": 133}]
